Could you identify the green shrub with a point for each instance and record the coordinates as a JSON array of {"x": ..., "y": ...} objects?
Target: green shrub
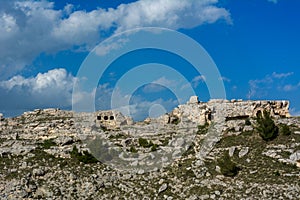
[
  {"x": 266, "y": 126},
  {"x": 247, "y": 122},
  {"x": 47, "y": 144},
  {"x": 144, "y": 143},
  {"x": 228, "y": 168},
  {"x": 285, "y": 130},
  {"x": 154, "y": 147},
  {"x": 277, "y": 173},
  {"x": 202, "y": 129},
  {"x": 84, "y": 157},
  {"x": 133, "y": 149}
]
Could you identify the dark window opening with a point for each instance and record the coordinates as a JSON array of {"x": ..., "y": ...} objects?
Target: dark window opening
[
  {"x": 111, "y": 117},
  {"x": 98, "y": 117},
  {"x": 105, "y": 118}
]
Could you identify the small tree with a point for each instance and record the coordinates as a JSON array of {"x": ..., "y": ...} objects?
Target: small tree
[
  {"x": 266, "y": 127},
  {"x": 285, "y": 130},
  {"x": 228, "y": 168}
]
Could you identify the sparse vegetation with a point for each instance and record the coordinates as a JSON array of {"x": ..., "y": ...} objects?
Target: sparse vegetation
[
  {"x": 190, "y": 150},
  {"x": 84, "y": 157},
  {"x": 47, "y": 144},
  {"x": 117, "y": 136},
  {"x": 34, "y": 164},
  {"x": 154, "y": 147},
  {"x": 284, "y": 130},
  {"x": 133, "y": 149},
  {"x": 144, "y": 143},
  {"x": 228, "y": 168},
  {"x": 266, "y": 127},
  {"x": 202, "y": 129}
]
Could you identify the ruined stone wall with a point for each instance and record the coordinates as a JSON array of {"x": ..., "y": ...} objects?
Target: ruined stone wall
[
  {"x": 111, "y": 119},
  {"x": 205, "y": 112},
  {"x": 202, "y": 112}
]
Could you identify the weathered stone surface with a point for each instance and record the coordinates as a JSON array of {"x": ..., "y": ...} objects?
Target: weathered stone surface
[
  {"x": 243, "y": 152},
  {"x": 38, "y": 159},
  {"x": 231, "y": 151},
  {"x": 111, "y": 119},
  {"x": 162, "y": 188},
  {"x": 193, "y": 100},
  {"x": 295, "y": 157}
]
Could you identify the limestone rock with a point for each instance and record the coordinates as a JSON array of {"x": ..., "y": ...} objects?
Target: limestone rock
[
  {"x": 243, "y": 152},
  {"x": 193, "y": 100},
  {"x": 63, "y": 140},
  {"x": 231, "y": 151},
  {"x": 295, "y": 157},
  {"x": 162, "y": 188}
]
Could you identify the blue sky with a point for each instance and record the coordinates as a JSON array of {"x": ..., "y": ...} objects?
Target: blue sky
[{"x": 254, "y": 44}]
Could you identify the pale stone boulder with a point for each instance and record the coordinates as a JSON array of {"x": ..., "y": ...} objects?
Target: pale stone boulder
[{"x": 193, "y": 100}]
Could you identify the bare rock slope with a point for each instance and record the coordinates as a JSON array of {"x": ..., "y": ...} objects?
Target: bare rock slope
[{"x": 50, "y": 154}]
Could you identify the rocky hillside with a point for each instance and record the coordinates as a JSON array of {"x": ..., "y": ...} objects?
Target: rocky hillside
[{"x": 44, "y": 155}]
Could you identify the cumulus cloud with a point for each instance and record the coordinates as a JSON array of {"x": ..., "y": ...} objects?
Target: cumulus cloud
[
  {"x": 50, "y": 89},
  {"x": 28, "y": 28}
]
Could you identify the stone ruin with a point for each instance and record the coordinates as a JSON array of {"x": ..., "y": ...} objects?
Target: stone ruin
[
  {"x": 206, "y": 112},
  {"x": 111, "y": 119},
  {"x": 201, "y": 113}
]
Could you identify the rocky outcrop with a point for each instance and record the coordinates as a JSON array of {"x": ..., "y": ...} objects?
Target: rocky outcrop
[
  {"x": 44, "y": 154},
  {"x": 205, "y": 112}
]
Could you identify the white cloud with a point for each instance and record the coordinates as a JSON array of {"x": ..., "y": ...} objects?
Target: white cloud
[
  {"x": 50, "y": 89},
  {"x": 28, "y": 28},
  {"x": 290, "y": 87},
  {"x": 225, "y": 79},
  {"x": 275, "y": 81},
  {"x": 198, "y": 79},
  {"x": 260, "y": 87},
  {"x": 173, "y": 14},
  {"x": 166, "y": 82},
  {"x": 282, "y": 75},
  {"x": 149, "y": 88}
]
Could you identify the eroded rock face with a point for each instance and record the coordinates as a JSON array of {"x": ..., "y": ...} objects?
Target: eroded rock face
[
  {"x": 37, "y": 158},
  {"x": 205, "y": 112}
]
